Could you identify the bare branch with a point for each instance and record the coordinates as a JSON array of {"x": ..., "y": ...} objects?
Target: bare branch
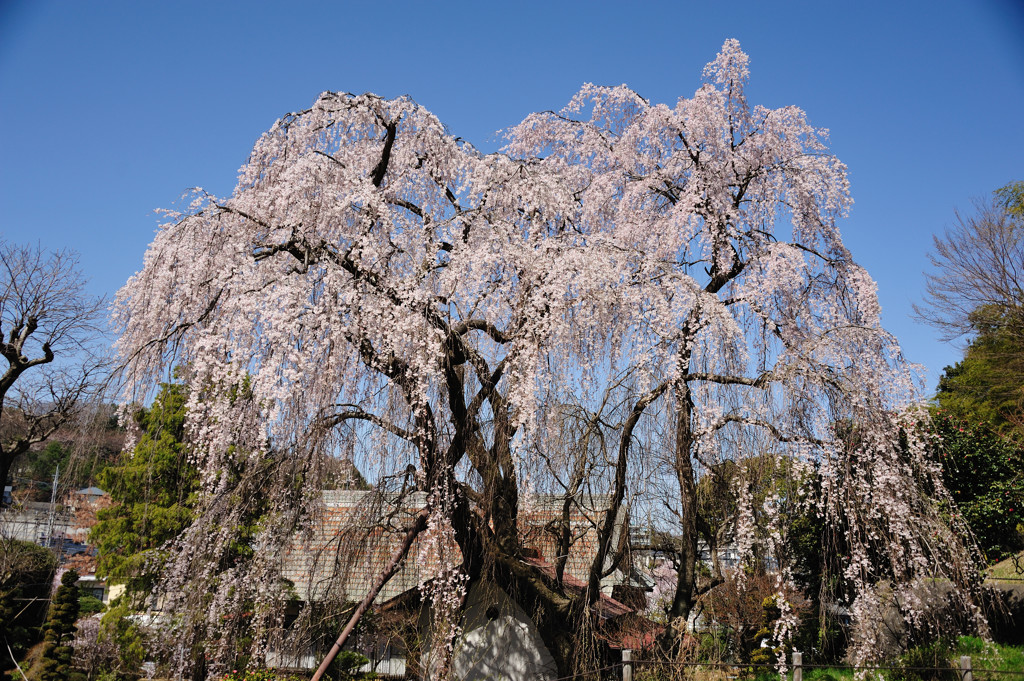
[{"x": 977, "y": 263}]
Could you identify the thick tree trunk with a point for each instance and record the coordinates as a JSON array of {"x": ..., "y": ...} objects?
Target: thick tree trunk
[
  {"x": 557, "y": 616},
  {"x": 5, "y": 470},
  {"x": 686, "y": 586}
]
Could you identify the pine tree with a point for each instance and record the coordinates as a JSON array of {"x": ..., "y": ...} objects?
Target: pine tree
[
  {"x": 26, "y": 573},
  {"x": 54, "y": 664},
  {"x": 152, "y": 490}
]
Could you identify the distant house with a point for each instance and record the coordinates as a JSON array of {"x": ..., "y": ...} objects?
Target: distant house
[
  {"x": 91, "y": 585},
  {"x": 348, "y": 544},
  {"x": 91, "y": 494}
]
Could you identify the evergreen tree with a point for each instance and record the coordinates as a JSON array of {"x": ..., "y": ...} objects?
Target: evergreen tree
[
  {"x": 154, "y": 493},
  {"x": 153, "y": 488},
  {"x": 26, "y": 573},
  {"x": 988, "y": 383},
  {"x": 54, "y": 664},
  {"x": 984, "y": 472},
  {"x": 977, "y": 290}
]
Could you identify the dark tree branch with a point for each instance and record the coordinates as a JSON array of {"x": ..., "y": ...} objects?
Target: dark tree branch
[{"x": 391, "y": 132}]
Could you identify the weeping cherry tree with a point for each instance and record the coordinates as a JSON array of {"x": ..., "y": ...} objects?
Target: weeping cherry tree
[{"x": 624, "y": 297}]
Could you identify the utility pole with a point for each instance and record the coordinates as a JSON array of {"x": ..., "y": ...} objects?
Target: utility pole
[{"x": 53, "y": 502}]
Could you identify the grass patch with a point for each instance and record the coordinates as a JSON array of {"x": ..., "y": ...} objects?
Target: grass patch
[
  {"x": 829, "y": 674},
  {"x": 997, "y": 659},
  {"x": 1006, "y": 570},
  {"x": 989, "y": 662},
  {"x": 993, "y": 656}
]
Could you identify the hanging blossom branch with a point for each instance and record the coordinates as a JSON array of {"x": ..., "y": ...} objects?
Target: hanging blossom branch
[{"x": 375, "y": 286}]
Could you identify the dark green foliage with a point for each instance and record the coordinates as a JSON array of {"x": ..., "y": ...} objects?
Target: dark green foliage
[
  {"x": 39, "y": 468},
  {"x": 153, "y": 492},
  {"x": 346, "y": 666},
  {"x": 43, "y": 464},
  {"x": 26, "y": 573},
  {"x": 54, "y": 663},
  {"x": 980, "y": 415},
  {"x": 822, "y": 635},
  {"x": 988, "y": 384},
  {"x": 129, "y": 643},
  {"x": 984, "y": 472},
  {"x": 87, "y": 605},
  {"x": 816, "y": 552},
  {"x": 977, "y": 292}
]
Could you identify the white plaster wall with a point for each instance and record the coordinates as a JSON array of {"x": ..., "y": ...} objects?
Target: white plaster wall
[
  {"x": 506, "y": 648},
  {"x": 115, "y": 591}
]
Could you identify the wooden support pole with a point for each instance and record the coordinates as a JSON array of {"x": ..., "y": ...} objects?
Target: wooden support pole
[
  {"x": 419, "y": 524},
  {"x": 798, "y": 670},
  {"x": 627, "y": 664},
  {"x": 965, "y": 668}
]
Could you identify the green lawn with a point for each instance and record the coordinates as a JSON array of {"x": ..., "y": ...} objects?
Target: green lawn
[
  {"x": 991, "y": 656},
  {"x": 1006, "y": 569},
  {"x": 989, "y": 662}
]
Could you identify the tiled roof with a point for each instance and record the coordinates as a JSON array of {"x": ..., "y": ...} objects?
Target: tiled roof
[
  {"x": 543, "y": 514},
  {"x": 348, "y": 545}
]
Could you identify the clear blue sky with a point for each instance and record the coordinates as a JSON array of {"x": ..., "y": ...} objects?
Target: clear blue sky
[{"x": 111, "y": 110}]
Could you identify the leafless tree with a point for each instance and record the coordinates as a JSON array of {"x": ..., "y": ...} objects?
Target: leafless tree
[
  {"x": 978, "y": 270},
  {"x": 49, "y": 328}
]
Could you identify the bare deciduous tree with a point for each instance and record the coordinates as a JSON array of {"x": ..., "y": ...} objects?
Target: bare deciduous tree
[
  {"x": 978, "y": 277},
  {"x": 48, "y": 328}
]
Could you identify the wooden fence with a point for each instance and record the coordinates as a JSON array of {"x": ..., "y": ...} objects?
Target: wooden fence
[{"x": 965, "y": 669}]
